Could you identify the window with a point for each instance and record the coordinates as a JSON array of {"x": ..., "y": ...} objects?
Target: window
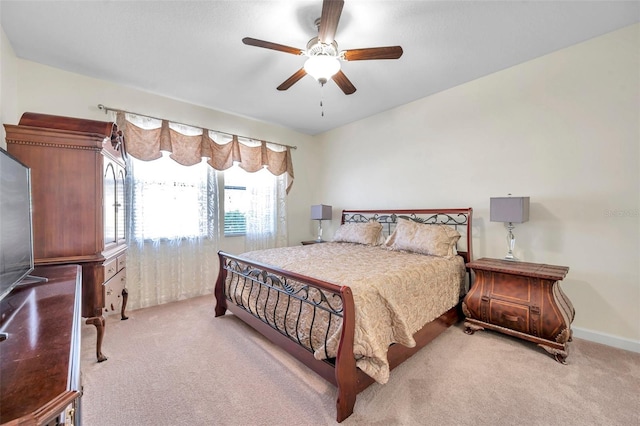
[
  {"x": 171, "y": 200},
  {"x": 236, "y": 202},
  {"x": 255, "y": 206}
]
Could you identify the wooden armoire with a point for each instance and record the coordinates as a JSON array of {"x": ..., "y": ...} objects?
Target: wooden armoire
[{"x": 78, "y": 204}]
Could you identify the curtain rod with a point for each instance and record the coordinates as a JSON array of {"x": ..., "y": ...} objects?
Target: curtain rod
[{"x": 106, "y": 109}]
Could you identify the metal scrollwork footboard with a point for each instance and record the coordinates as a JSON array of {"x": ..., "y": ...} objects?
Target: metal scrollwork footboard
[{"x": 304, "y": 313}]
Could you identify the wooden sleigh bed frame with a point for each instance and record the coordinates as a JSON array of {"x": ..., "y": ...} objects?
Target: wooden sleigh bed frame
[{"x": 341, "y": 370}]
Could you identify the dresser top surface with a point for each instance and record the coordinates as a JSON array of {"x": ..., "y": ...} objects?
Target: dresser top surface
[{"x": 38, "y": 365}]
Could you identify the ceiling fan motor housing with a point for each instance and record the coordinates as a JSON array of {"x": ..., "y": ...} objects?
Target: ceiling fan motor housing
[{"x": 315, "y": 48}]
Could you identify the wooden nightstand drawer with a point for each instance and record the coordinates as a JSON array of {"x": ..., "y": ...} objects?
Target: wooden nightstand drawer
[
  {"x": 509, "y": 288},
  {"x": 509, "y": 315}
]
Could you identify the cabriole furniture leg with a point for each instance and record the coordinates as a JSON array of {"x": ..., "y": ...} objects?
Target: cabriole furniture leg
[{"x": 99, "y": 323}]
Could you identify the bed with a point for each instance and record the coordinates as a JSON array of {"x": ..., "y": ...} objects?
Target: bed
[{"x": 355, "y": 308}]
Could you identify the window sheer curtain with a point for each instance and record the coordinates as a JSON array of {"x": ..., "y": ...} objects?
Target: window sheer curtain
[
  {"x": 267, "y": 215},
  {"x": 173, "y": 204},
  {"x": 172, "y": 229},
  {"x": 173, "y": 232}
]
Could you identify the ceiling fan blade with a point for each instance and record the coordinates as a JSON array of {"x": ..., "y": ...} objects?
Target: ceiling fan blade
[
  {"x": 293, "y": 79},
  {"x": 388, "y": 52},
  {"x": 331, "y": 10},
  {"x": 273, "y": 46},
  {"x": 343, "y": 83}
]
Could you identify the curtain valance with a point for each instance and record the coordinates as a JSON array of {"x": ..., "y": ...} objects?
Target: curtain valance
[{"x": 189, "y": 149}]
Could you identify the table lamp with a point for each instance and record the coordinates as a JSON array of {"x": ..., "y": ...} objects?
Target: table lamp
[
  {"x": 509, "y": 210},
  {"x": 320, "y": 212}
]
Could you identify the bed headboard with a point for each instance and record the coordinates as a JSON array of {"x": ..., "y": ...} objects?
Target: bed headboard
[{"x": 459, "y": 219}]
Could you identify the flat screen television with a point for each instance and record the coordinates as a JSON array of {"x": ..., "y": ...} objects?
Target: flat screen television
[{"x": 16, "y": 231}]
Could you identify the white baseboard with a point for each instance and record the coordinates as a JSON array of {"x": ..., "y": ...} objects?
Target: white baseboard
[{"x": 607, "y": 339}]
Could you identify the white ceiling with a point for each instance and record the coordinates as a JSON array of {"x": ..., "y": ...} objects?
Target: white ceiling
[{"x": 192, "y": 50}]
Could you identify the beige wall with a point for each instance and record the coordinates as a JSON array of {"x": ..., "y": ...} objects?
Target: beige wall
[
  {"x": 8, "y": 85},
  {"x": 563, "y": 129}
]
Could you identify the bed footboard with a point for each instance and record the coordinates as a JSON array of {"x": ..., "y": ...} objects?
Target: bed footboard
[{"x": 297, "y": 313}]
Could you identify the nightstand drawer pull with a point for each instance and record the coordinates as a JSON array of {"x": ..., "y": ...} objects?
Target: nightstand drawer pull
[{"x": 511, "y": 318}]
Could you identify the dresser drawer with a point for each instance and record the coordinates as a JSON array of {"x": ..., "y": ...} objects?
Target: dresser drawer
[
  {"x": 110, "y": 269},
  {"x": 509, "y": 315},
  {"x": 68, "y": 416},
  {"x": 113, "y": 292},
  {"x": 122, "y": 261}
]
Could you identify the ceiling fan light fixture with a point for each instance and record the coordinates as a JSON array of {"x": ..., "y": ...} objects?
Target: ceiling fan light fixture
[{"x": 322, "y": 67}]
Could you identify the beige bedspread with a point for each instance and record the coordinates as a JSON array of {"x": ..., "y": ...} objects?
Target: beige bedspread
[{"x": 395, "y": 293}]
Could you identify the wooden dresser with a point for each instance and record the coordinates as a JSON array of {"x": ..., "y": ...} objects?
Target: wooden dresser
[
  {"x": 520, "y": 299},
  {"x": 40, "y": 362},
  {"x": 77, "y": 184}
]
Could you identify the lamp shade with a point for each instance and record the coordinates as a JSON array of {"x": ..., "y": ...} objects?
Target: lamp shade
[
  {"x": 320, "y": 212},
  {"x": 509, "y": 209}
]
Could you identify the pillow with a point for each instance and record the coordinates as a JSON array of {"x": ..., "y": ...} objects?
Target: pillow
[
  {"x": 363, "y": 233},
  {"x": 435, "y": 240}
]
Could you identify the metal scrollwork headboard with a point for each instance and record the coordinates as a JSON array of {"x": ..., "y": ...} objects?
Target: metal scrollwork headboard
[{"x": 459, "y": 219}]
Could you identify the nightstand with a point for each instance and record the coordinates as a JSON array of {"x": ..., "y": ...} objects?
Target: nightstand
[
  {"x": 306, "y": 243},
  {"x": 520, "y": 299}
]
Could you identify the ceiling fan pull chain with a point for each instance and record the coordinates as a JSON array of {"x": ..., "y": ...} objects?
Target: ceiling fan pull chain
[{"x": 321, "y": 100}]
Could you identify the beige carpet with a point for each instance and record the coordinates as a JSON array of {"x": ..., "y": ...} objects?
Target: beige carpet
[{"x": 176, "y": 364}]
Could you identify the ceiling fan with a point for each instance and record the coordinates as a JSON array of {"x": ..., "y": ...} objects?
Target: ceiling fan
[{"x": 322, "y": 52}]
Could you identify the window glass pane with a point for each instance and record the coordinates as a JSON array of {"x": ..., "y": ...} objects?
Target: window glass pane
[
  {"x": 171, "y": 199},
  {"x": 109, "y": 203},
  {"x": 120, "y": 209},
  {"x": 236, "y": 201}
]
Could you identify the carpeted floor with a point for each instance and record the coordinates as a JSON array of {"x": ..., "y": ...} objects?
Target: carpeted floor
[{"x": 176, "y": 364}]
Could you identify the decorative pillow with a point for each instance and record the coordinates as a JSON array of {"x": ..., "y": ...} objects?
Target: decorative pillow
[
  {"x": 363, "y": 233},
  {"x": 435, "y": 240}
]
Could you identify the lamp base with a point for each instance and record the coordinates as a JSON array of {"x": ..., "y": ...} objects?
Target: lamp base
[
  {"x": 319, "y": 239},
  {"x": 511, "y": 242}
]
